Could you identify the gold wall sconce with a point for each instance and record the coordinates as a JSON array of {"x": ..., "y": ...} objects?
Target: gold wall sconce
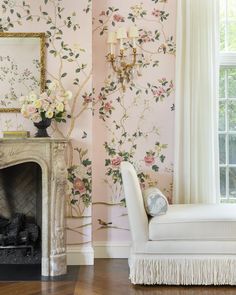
[{"x": 120, "y": 63}]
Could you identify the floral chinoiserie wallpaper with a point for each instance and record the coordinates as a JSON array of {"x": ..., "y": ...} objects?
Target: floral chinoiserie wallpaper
[
  {"x": 106, "y": 125},
  {"x": 136, "y": 125}
]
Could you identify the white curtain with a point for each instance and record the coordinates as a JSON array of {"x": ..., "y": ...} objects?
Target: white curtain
[{"x": 196, "y": 174}]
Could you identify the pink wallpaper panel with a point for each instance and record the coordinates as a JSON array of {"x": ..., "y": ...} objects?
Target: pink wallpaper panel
[{"x": 135, "y": 125}]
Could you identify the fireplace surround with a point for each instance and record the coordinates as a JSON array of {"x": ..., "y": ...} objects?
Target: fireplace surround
[{"x": 49, "y": 154}]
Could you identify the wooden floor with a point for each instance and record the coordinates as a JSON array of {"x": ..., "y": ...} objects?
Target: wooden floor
[{"x": 106, "y": 277}]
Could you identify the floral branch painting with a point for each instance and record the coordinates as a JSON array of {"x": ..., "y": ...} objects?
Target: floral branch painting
[
  {"x": 16, "y": 79},
  {"x": 131, "y": 136}
]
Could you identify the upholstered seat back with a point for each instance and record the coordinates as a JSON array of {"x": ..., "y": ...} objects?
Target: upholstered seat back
[{"x": 137, "y": 215}]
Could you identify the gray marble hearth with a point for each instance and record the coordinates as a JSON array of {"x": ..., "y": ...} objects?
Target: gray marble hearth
[{"x": 49, "y": 154}]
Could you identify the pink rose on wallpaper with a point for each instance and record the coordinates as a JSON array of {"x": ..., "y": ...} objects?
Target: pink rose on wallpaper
[
  {"x": 118, "y": 18},
  {"x": 156, "y": 12},
  {"x": 149, "y": 160},
  {"x": 146, "y": 36},
  {"x": 79, "y": 185},
  {"x": 116, "y": 162},
  {"x": 159, "y": 91},
  {"x": 107, "y": 106}
]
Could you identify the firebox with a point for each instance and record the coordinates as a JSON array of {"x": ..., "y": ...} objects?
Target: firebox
[
  {"x": 21, "y": 214},
  {"x": 37, "y": 220}
]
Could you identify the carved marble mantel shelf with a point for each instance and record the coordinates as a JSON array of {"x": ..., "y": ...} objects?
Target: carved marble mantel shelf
[{"x": 49, "y": 153}]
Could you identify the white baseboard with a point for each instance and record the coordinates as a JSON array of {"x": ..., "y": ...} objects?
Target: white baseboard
[
  {"x": 80, "y": 255},
  {"x": 111, "y": 249},
  {"x": 84, "y": 255}
]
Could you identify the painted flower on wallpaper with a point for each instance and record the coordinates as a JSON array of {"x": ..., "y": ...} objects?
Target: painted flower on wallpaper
[
  {"x": 161, "y": 91},
  {"x": 168, "y": 47},
  {"x": 149, "y": 159},
  {"x": 107, "y": 16},
  {"x": 137, "y": 11},
  {"x": 118, "y": 18},
  {"x": 115, "y": 162},
  {"x": 80, "y": 184},
  {"x": 156, "y": 12},
  {"x": 88, "y": 98},
  {"x": 106, "y": 106},
  {"x": 152, "y": 157},
  {"x": 106, "y": 109},
  {"x": 162, "y": 15},
  {"x": 145, "y": 36}
]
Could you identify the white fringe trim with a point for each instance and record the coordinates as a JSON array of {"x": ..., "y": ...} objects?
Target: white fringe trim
[{"x": 185, "y": 270}]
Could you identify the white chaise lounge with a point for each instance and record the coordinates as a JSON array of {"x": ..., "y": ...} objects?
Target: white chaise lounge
[{"x": 190, "y": 245}]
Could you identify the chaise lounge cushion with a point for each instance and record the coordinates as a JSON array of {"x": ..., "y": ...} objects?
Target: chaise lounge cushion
[{"x": 195, "y": 222}]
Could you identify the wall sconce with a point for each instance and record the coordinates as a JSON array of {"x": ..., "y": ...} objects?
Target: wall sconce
[{"x": 119, "y": 63}]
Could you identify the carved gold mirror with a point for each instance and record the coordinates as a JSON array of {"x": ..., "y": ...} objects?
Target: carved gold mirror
[{"x": 22, "y": 67}]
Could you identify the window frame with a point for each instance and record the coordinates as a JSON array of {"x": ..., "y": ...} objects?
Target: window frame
[{"x": 227, "y": 60}]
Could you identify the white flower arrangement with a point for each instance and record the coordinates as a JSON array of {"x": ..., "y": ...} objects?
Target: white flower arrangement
[{"x": 51, "y": 104}]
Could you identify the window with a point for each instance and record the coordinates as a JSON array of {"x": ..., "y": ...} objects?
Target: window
[{"x": 227, "y": 101}]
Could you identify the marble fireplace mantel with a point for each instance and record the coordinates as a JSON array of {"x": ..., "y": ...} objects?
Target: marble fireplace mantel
[{"x": 49, "y": 153}]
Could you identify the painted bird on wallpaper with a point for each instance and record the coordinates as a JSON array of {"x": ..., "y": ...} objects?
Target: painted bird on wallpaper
[{"x": 103, "y": 223}]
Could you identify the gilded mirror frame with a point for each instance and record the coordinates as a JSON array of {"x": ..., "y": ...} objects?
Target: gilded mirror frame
[{"x": 42, "y": 37}]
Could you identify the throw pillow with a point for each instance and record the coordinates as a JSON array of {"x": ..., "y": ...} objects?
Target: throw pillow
[{"x": 155, "y": 202}]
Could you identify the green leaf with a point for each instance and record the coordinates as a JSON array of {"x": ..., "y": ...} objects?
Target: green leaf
[
  {"x": 86, "y": 162},
  {"x": 155, "y": 168},
  {"x": 162, "y": 158}
]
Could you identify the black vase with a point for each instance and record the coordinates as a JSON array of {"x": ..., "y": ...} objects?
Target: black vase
[{"x": 42, "y": 128}]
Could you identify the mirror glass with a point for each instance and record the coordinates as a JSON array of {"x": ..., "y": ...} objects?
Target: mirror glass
[{"x": 21, "y": 67}]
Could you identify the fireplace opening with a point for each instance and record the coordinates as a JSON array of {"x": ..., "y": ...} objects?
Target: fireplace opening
[{"x": 21, "y": 214}]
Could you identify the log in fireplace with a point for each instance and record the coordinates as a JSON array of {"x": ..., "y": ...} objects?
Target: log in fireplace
[{"x": 19, "y": 241}]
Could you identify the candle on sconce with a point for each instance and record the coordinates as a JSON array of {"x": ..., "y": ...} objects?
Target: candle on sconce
[
  {"x": 121, "y": 34},
  {"x": 111, "y": 40},
  {"x": 133, "y": 34},
  {"x": 123, "y": 65}
]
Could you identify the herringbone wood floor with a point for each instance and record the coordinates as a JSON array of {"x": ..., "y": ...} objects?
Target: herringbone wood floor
[{"x": 106, "y": 277}]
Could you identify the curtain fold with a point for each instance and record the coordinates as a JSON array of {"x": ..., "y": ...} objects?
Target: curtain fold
[{"x": 196, "y": 171}]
